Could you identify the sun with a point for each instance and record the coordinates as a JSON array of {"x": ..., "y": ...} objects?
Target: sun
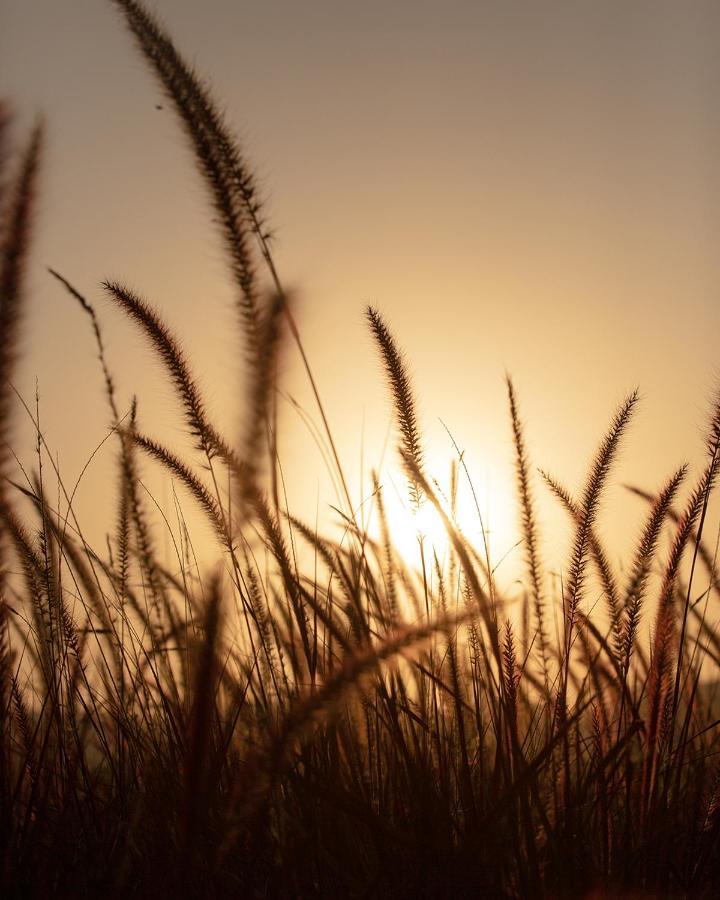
[
  {"x": 484, "y": 513},
  {"x": 429, "y": 525}
]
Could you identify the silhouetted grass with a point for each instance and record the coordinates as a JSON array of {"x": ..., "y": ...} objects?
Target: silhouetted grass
[{"x": 361, "y": 727}]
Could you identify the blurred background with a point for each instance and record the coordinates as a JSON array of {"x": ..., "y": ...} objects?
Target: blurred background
[{"x": 522, "y": 188}]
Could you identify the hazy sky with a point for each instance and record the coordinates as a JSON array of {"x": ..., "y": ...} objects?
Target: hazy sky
[{"x": 530, "y": 187}]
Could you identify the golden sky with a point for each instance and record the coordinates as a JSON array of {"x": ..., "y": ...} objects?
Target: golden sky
[{"x": 530, "y": 187}]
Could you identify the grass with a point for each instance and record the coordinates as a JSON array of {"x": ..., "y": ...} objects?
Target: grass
[{"x": 367, "y": 727}]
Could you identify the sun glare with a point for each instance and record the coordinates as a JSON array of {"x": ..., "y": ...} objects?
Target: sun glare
[
  {"x": 484, "y": 514},
  {"x": 429, "y": 524}
]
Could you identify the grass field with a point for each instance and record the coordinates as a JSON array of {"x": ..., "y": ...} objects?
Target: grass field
[{"x": 320, "y": 714}]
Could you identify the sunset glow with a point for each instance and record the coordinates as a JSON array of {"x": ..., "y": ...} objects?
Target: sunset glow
[
  {"x": 485, "y": 516},
  {"x": 359, "y": 449}
]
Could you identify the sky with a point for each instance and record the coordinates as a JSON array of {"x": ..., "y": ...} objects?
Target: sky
[{"x": 522, "y": 188}]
